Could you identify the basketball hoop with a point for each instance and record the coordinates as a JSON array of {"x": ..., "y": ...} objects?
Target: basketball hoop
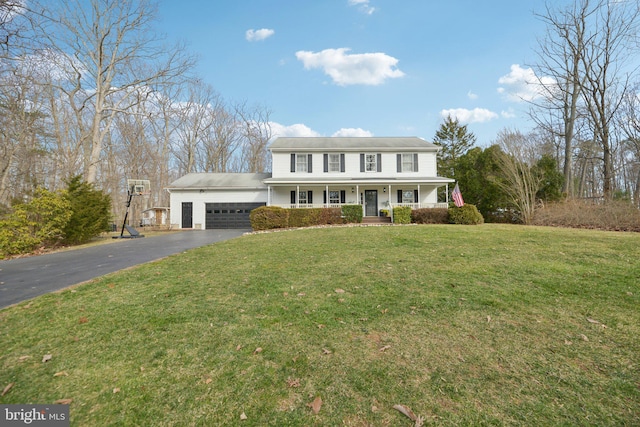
[{"x": 139, "y": 187}]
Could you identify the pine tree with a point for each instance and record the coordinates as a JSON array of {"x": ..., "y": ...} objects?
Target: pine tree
[{"x": 455, "y": 141}]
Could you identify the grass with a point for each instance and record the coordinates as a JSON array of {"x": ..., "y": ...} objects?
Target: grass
[{"x": 483, "y": 325}]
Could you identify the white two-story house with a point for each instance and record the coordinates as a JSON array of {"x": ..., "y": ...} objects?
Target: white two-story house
[{"x": 376, "y": 173}]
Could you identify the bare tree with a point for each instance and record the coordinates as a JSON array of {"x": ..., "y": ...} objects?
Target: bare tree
[
  {"x": 256, "y": 134},
  {"x": 108, "y": 50},
  {"x": 520, "y": 182},
  {"x": 561, "y": 78}
]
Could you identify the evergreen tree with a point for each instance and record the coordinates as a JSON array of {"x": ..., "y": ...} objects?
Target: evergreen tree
[
  {"x": 90, "y": 211},
  {"x": 455, "y": 141}
]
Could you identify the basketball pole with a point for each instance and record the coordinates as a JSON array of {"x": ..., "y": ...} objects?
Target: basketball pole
[{"x": 126, "y": 213}]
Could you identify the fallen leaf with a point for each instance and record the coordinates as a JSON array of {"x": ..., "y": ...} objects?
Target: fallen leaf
[
  {"x": 320, "y": 326},
  {"x": 315, "y": 405},
  {"x": 488, "y": 319},
  {"x": 116, "y": 390},
  {"x": 7, "y": 388},
  {"x": 46, "y": 358},
  {"x": 208, "y": 381},
  {"x": 27, "y": 306},
  {"x": 340, "y": 291},
  {"x": 238, "y": 347},
  {"x": 590, "y": 320},
  {"x": 257, "y": 350},
  {"x": 584, "y": 337},
  {"x": 301, "y": 294},
  {"x": 293, "y": 382},
  {"x": 405, "y": 410},
  {"x": 63, "y": 401},
  {"x": 23, "y": 358},
  {"x": 243, "y": 416},
  {"x": 83, "y": 320},
  {"x": 385, "y": 348},
  {"x": 326, "y": 351},
  {"x": 61, "y": 374},
  {"x": 567, "y": 342}
]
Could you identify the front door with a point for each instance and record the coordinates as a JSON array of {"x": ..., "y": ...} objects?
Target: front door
[
  {"x": 187, "y": 215},
  {"x": 371, "y": 203}
]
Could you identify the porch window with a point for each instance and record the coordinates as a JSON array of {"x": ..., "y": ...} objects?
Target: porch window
[
  {"x": 407, "y": 196},
  {"x": 305, "y": 197},
  {"x": 334, "y": 197},
  {"x": 408, "y": 162}
]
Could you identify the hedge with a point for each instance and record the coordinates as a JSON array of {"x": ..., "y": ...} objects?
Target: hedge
[
  {"x": 467, "y": 215},
  {"x": 430, "y": 216}
]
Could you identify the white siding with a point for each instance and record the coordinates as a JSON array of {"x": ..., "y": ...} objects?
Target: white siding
[{"x": 199, "y": 200}]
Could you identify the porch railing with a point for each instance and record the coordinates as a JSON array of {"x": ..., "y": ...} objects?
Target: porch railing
[{"x": 338, "y": 205}]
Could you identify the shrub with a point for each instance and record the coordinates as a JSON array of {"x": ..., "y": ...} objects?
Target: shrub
[
  {"x": 352, "y": 213},
  {"x": 91, "y": 211},
  {"x": 331, "y": 216},
  {"x": 430, "y": 216},
  {"x": 269, "y": 217},
  {"x": 615, "y": 215},
  {"x": 402, "y": 215},
  {"x": 39, "y": 222},
  {"x": 467, "y": 215}
]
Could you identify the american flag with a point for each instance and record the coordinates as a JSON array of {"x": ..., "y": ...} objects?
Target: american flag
[{"x": 457, "y": 196}]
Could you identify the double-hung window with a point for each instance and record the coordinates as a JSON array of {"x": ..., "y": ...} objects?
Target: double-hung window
[
  {"x": 334, "y": 162},
  {"x": 370, "y": 162},
  {"x": 301, "y": 163},
  {"x": 407, "y": 162},
  {"x": 334, "y": 197}
]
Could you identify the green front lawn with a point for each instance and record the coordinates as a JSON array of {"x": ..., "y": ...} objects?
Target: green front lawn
[{"x": 465, "y": 325}]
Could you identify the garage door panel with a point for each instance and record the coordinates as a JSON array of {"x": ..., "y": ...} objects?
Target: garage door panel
[{"x": 229, "y": 215}]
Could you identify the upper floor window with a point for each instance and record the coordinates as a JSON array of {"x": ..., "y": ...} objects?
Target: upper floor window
[
  {"x": 370, "y": 162},
  {"x": 334, "y": 162},
  {"x": 407, "y": 162},
  {"x": 301, "y": 163}
]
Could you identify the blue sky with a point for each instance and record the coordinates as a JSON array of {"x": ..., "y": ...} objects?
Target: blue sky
[{"x": 366, "y": 67}]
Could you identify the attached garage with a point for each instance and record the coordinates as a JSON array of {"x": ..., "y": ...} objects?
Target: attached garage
[{"x": 216, "y": 200}]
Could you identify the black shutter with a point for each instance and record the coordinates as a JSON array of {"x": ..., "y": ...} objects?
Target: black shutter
[
  {"x": 361, "y": 162},
  {"x": 310, "y": 196},
  {"x": 342, "y": 162},
  {"x": 379, "y": 162},
  {"x": 309, "y": 164},
  {"x": 293, "y": 197},
  {"x": 399, "y": 196},
  {"x": 415, "y": 162},
  {"x": 415, "y": 196},
  {"x": 399, "y": 162},
  {"x": 293, "y": 162},
  {"x": 343, "y": 196},
  {"x": 324, "y": 196},
  {"x": 325, "y": 160}
]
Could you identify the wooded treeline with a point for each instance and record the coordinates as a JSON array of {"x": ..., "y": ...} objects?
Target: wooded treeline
[{"x": 87, "y": 88}]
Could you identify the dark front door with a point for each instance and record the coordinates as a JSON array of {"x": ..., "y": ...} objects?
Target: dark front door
[
  {"x": 187, "y": 214},
  {"x": 371, "y": 203}
]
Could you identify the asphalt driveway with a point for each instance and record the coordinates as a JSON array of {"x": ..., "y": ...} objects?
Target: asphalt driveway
[{"x": 25, "y": 278}]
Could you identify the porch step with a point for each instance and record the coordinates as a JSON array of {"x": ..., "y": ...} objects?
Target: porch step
[{"x": 376, "y": 220}]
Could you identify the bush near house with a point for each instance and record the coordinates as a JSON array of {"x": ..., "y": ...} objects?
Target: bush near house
[
  {"x": 90, "y": 212},
  {"x": 352, "y": 213},
  {"x": 430, "y": 216},
  {"x": 269, "y": 217},
  {"x": 306, "y": 217},
  {"x": 402, "y": 215},
  {"x": 466, "y": 215}
]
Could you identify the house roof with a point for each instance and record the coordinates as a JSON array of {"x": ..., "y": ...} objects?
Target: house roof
[
  {"x": 220, "y": 181},
  {"x": 353, "y": 144}
]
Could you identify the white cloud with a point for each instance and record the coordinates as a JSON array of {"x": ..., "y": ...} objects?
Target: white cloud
[
  {"x": 351, "y": 132},
  {"x": 363, "y": 6},
  {"x": 508, "y": 114},
  {"x": 350, "y": 69},
  {"x": 258, "y": 35},
  {"x": 278, "y": 130},
  {"x": 477, "y": 115},
  {"x": 522, "y": 84},
  {"x": 472, "y": 96}
]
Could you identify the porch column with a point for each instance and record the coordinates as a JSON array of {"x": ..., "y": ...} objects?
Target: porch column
[
  {"x": 447, "y": 194},
  {"x": 326, "y": 192},
  {"x": 268, "y": 195},
  {"x": 419, "y": 199},
  {"x": 297, "y": 196}
]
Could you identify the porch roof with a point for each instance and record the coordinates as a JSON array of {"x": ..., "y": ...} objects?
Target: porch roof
[{"x": 437, "y": 180}]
